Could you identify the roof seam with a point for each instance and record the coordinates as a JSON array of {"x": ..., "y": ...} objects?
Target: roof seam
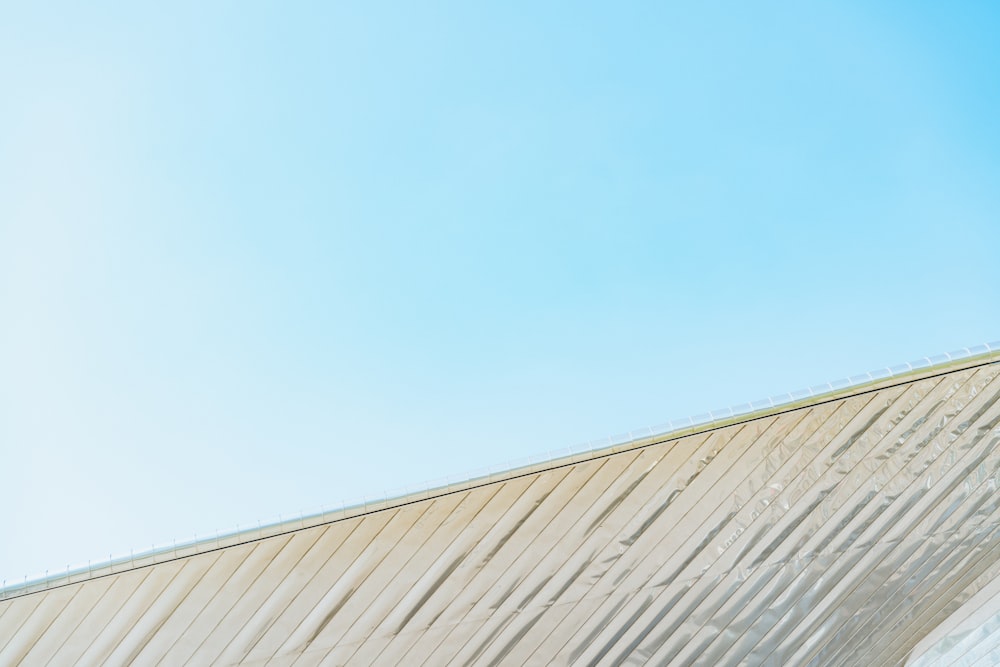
[{"x": 936, "y": 366}]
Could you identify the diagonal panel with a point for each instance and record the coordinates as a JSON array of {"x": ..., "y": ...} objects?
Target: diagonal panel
[{"x": 839, "y": 532}]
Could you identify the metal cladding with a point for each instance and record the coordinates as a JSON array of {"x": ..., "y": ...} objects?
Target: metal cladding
[{"x": 844, "y": 532}]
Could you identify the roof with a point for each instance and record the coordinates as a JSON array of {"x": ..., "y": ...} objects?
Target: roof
[{"x": 842, "y": 527}]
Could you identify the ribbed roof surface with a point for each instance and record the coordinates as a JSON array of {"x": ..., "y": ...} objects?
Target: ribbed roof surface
[{"x": 840, "y": 533}]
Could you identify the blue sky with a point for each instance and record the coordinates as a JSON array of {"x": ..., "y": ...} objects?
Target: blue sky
[{"x": 256, "y": 258}]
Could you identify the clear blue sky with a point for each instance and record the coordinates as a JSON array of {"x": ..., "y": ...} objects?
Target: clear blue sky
[{"x": 261, "y": 257}]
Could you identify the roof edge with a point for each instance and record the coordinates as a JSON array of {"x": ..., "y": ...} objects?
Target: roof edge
[{"x": 980, "y": 355}]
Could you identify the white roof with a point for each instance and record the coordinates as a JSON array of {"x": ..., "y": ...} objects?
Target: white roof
[{"x": 841, "y": 531}]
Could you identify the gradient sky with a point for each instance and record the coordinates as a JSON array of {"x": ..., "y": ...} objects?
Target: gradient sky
[{"x": 256, "y": 258}]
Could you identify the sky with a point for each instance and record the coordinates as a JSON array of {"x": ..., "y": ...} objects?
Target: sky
[{"x": 264, "y": 258}]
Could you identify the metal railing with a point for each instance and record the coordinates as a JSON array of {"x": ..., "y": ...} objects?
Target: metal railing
[{"x": 985, "y": 353}]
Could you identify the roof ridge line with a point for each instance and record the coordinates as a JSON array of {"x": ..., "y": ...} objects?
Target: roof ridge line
[{"x": 969, "y": 357}]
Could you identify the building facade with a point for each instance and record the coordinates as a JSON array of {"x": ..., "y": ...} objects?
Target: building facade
[{"x": 852, "y": 527}]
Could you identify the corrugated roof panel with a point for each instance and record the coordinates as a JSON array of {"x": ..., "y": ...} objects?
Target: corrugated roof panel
[{"x": 840, "y": 532}]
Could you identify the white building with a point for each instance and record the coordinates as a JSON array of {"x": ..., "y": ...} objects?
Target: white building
[{"x": 842, "y": 527}]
